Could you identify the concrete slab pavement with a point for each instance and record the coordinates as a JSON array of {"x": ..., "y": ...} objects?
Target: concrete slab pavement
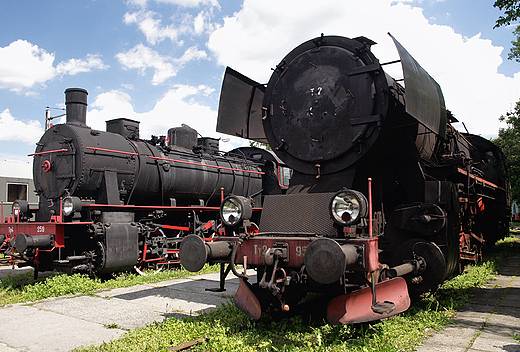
[
  {"x": 489, "y": 321},
  {"x": 64, "y": 323}
]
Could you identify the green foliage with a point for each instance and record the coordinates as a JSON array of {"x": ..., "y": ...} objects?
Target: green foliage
[
  {"x": 514, "y": 52},
  {"x": 511, "y": 9},
  {"x": 260, "y": 145},
  {"x": 23, "y": 288},
  {"x": 228, "y": 329},
  {"x": 509, "y": 142}
]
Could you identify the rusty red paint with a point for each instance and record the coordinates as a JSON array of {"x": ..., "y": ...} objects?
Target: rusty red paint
[
  {"x": 371, "y": 252},
  {"x": 11, "y": 229},
  {"x": 46, "y": 166},
  {"x": 49, "y": 152},
  {"x": 246, "y": 301},
  {"x": 479, "y": 179},
  {"x": 356, "y": 307},
  {"x": 256, "y": 247},
  {"x": 180, "y": 228}
]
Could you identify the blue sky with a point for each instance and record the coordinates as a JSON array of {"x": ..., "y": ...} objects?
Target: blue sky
[{"x": 161, "y": 61}]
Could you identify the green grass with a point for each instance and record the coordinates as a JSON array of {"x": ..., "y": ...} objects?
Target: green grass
[
  {"x": 228, "y": 329},
  {"x": 23, "y": 287}
]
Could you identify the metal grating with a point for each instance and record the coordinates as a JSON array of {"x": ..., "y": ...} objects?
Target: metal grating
[{"x": 298, "y": 213}]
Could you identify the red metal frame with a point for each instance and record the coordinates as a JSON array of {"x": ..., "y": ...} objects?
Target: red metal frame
[
  {"x": 11, "y": 228},
  {"x": 476, "y": 178},
  {"x": 280, "y": 178},
  {"x": 49, "y": 152}
]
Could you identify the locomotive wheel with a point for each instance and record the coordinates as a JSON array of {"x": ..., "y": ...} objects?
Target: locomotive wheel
[{"x": 435, "y": 271}]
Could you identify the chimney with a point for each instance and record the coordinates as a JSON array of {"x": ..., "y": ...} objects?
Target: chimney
[{"x": 76, "y": 103}]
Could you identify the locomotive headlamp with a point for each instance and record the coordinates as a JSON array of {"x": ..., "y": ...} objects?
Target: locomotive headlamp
[
  {"x": 71, "y": 205},
  {"x": 348, "y": 206},
  {"x": 234, "y": 209},
  {"x": 20, "y": 209}
]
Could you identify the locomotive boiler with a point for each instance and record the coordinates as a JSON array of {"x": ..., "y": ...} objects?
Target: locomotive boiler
[
  {"x": 386, "y": 197},
  {"x": 110, "y": 201}
]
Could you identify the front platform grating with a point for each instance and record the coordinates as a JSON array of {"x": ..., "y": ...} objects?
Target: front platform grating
[{"x": 298, "y": 213}]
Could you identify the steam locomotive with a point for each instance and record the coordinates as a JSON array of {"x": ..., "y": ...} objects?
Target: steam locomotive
[
  {"x": 110, "y": 201},
  {"x": 386, "y": 197}
]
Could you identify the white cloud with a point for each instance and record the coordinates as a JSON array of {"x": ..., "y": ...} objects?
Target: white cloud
[
  {"x": 198, "y": 23},
  {"x": 22, "y": 65},
  {"x": 151, "y": 27},
  {"x": 12, "y": 129},
  {"x": 180, "y": 100},
  {"x": 183, "y": 3},
  {"x": 74, "y": 66},
  {"x": 191, "y": 54},
  {"x": 141, "y": 57},
  {"x": 141, "y": 3},
  {"x": 202, "y": 23},
  {"x": 191, "y": 3},
  {"x": 150, "y": 24},
  {"x": 257, "y": 38}
]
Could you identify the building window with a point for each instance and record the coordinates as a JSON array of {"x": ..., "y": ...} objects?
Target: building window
[{"x": 17, "y": 191}]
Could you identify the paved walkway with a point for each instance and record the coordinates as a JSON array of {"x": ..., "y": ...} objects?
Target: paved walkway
[
  {"x": 489, "y": 321},
  {"x": 64, "y": 323}
]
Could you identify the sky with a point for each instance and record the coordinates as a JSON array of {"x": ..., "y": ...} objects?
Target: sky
[{"x": 161, "y": 62}]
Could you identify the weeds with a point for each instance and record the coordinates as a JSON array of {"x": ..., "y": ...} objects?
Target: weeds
[
  {"x": 228, "y": 329},
  {"x": 23, "y": 287}
]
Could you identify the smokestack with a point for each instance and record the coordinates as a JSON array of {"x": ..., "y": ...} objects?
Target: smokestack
[{"x": 76, "y": 103}]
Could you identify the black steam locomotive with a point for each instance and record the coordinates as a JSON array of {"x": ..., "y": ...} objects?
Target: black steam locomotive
[
  {"x": 386, "y": 198},
  {"x": 110, "y": 201}
]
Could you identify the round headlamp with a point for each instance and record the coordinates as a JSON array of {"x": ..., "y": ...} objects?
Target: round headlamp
[
  {"x": 348, "y": 207},
  {"x": 234, "y": 209},
  {"x": 70, "y": 205},
  {"x": 20, "y": 209}
]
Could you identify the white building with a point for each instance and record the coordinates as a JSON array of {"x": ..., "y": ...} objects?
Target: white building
[{"x": 16, "y": 183}]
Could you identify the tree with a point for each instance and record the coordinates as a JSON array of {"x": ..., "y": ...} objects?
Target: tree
[
  {"x": 509, "y": 141},
  {"x": 509, "y": 138},
  {"x": 260, "y": 145},
  {"x": 511, "y": 9}
]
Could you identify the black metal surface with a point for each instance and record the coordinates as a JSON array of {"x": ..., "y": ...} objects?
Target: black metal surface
[
  {"x": 121, "y": 250},
  {"x": 298, "y": 213},
  {"x": 184, "y": 136},
  {"x": 113, "y": 167},
  {"x": 193, "y": 253},
  {"x": 125, "y": 127},
  {"x": 22, "y": 242},
  {"x": 435, "y": 271},
  {"x": 423, "y": 96},
  {"x": 239, "y": 111},
  {"x": 325, "y": 260},
  {"x": 76, "y": 104},
  {"x": 324, "y": 104},
  {"x": 79, "y": 170}
]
